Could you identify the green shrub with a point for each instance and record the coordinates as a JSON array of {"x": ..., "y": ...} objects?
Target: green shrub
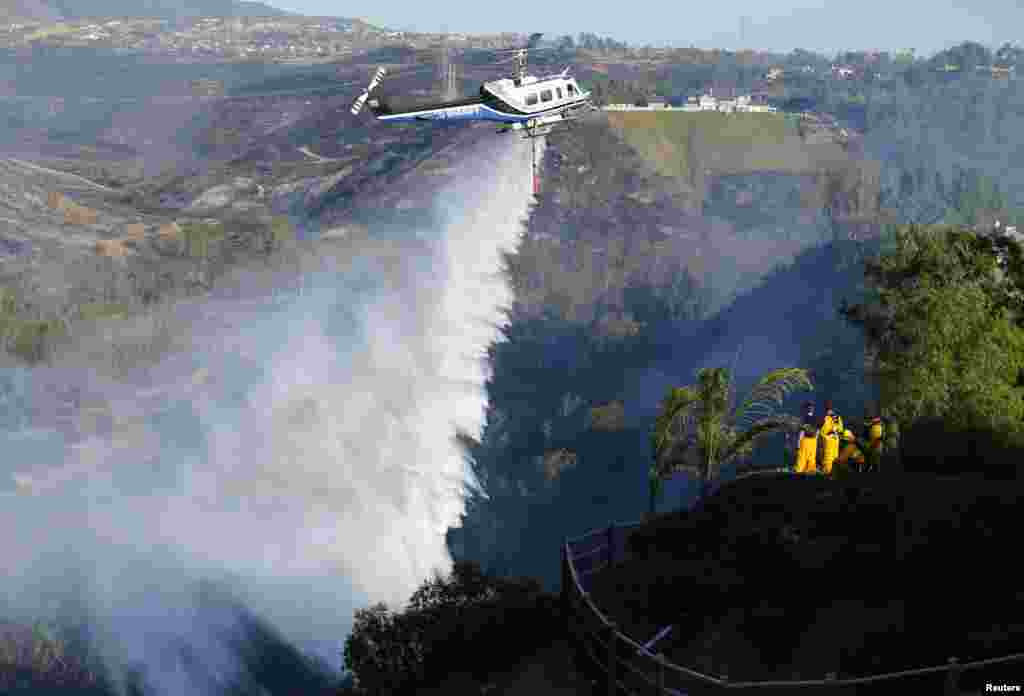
[
  {"x": 28, "y": 339},
  {"x": 934, "y": 445},
  {"x": 198, "y": 236},
  {"x": 8, "y": 302},
  {"x": 281, "y": 230},
  {"x": 102, "y": 310}
]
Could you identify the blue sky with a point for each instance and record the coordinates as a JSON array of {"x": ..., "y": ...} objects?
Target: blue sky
[{"x": 820, "y": 25}]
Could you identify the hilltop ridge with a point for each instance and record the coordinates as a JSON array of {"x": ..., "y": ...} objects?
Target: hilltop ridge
[{"x": 53, "y": 10}]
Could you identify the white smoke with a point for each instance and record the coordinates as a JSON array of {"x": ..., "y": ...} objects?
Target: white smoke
[{"x": 298, "y": 447}]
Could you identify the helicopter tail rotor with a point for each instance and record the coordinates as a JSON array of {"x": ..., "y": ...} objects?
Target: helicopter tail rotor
[{"x": 378, "y": 77}]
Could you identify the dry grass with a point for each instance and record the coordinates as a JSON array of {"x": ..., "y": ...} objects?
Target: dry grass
[
  {"x": 170, "y": 231},
  {"x": 113, "y": 248},
  {"x": 56, "y": 200},
  {"x": 556, "y": 461},
  {"x": 610, "y": 418},
  {"x": 675, "y": 142},
  {"x": 135, "y": 231},
  {"x": 75, "y": 214}
]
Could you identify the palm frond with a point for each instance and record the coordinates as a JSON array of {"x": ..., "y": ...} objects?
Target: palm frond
[
  {"x": 678, "y": 405},
  {"x": 746, "y": 439},
  {"x": 681, "y": 456},
  {"x": 714, "y": 386},
  {"x": 769, "y": 392}
]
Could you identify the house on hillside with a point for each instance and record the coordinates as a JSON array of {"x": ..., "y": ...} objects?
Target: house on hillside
[
  {"x": 843, "y": 72},
  {"x": 775, "y": 74}
]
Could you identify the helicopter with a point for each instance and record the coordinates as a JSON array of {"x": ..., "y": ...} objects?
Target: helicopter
[{"x": 522, "y": 102}]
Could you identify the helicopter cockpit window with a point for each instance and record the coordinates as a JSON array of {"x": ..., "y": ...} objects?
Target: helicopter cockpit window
[
  {"x": 531, "y": 99},
  {"x": 572, "y": 90}
]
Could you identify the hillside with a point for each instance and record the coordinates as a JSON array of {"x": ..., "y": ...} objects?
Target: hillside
[
  {"x": 49, "y": 10},
  {"x": 624, "y": 285},
  {"x": 37, "y": 10},
  {"x": 695, "y": 149},
  {"x": 795, "y": 579}
]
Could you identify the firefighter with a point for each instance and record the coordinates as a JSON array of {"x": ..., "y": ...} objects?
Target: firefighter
[
  {"x": 831, "y": 429},
  {"x": 875, "y": 438},
  {"x": 851, "y": 458},
  {"x": 807, "y": 443}
]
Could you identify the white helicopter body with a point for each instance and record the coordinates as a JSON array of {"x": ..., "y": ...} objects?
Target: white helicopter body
[{"x": 523, "y": 102}]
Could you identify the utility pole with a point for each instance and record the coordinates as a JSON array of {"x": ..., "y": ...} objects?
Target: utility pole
[
  {"x": 446, "y": 68},
  {"x": 453, "y": 90}
]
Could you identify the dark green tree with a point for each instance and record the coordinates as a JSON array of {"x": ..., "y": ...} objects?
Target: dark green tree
[
  {"x": 944, "y": 330},
  {"x": 450, "y": 625}
]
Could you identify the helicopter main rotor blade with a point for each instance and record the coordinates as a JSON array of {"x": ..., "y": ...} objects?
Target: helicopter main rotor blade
[{"x": 529, "y": 49}]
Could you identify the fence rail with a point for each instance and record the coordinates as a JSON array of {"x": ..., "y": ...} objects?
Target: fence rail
[{"x": 624, "y": 662}]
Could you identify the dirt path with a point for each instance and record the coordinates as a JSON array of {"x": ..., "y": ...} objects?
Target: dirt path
[
  {"x": 309, "y": 153},
  {"x": 57, "y": 172}
]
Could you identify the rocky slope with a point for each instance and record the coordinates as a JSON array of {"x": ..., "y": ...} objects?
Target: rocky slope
[{"x": 73, "y": 249}]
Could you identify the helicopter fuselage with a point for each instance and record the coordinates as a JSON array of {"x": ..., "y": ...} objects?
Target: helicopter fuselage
[{"x": 526, "y": 101}]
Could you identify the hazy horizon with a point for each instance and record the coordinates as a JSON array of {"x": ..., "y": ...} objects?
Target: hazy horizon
[{"x": 825, "y": 27}]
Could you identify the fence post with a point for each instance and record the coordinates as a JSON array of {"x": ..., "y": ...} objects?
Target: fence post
[
  {"x": 660, "y": 688},
  {"x": 953, "y": 678},
  {"x": 566, "y": 577},
  {"x": 611, "y": 548},
  {"x": 612, "y": 686}
]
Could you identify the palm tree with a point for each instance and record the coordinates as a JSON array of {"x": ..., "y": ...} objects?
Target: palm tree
[{"x": 698, "y": 431}]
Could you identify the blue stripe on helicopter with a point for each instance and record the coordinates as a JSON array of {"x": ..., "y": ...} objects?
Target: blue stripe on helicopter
[{"x": 473, "y": 112}]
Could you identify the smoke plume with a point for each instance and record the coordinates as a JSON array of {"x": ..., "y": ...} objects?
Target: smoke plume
[{"x": 293, "y": 442}]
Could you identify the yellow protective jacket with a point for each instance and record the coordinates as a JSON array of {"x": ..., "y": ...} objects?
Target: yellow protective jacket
[
  {"x": 875, "y": 434},
  {"x": 850, "y": 453},
  {"x": 831, "y": 429},
  {"x": 807, "y": 453}
]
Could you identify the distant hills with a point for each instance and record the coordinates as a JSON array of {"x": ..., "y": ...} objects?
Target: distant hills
[
  {"x": 173, "y": 10},
  {"x": 27, "y": 9}
]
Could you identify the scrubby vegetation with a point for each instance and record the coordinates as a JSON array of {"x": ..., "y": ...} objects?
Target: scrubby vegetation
[
  {"x": 787, "y": 577},
  {"x": 26, "y": 338},
  {"x": 456, "y": 633}
]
